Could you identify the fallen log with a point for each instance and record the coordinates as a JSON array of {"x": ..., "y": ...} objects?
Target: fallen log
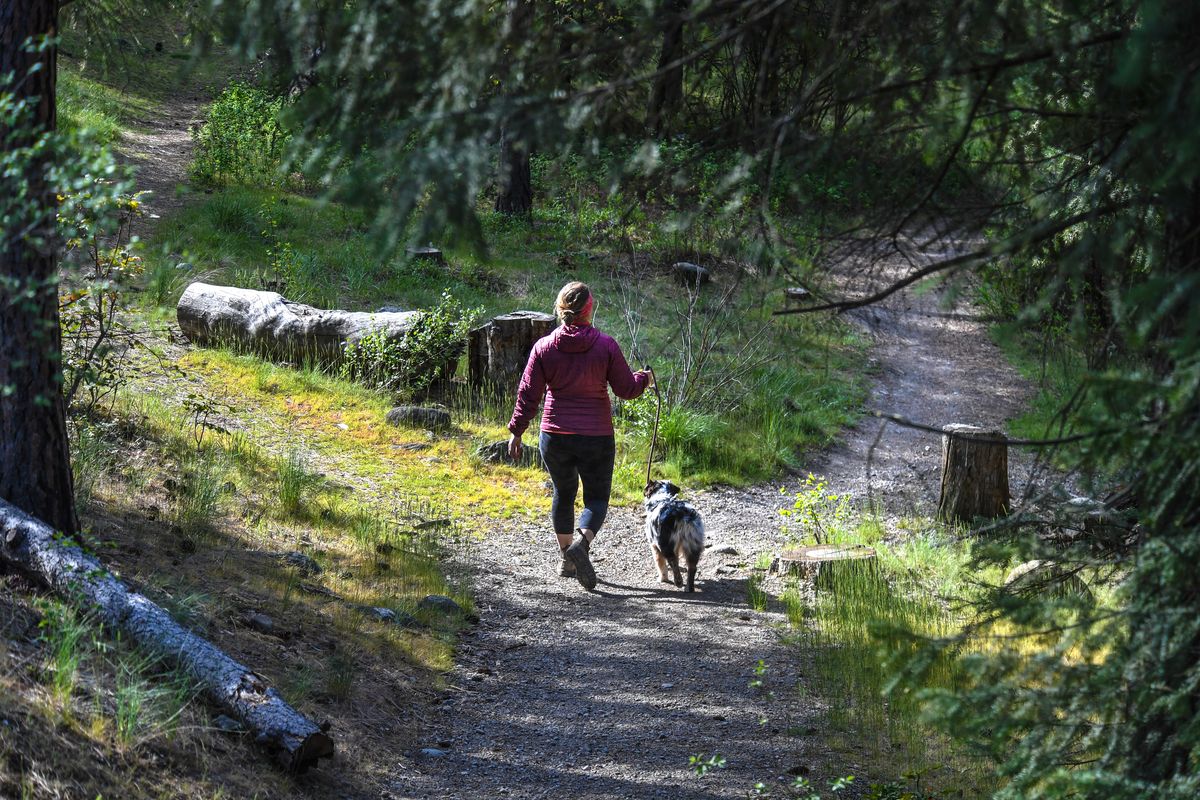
[
  {"x": 37, "y": 551},
  {"x": 273, "y": 327}
]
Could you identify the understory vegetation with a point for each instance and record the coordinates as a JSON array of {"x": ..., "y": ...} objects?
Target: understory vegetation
[{"x": 805, "y": 159}]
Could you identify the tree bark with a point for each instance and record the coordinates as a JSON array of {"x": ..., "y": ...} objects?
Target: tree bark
[
  {"x": 267, "y": 324},
  {"x": 515, "y": 195},
  {"x": 666, "y": 94},
  {"x": 516, "y": 180},
  {"x": 35, "y": 462},
  {"x": 974, "y": 474},
  {"x": 33, "y": 547},
  {"x": 498, "y": 350}
]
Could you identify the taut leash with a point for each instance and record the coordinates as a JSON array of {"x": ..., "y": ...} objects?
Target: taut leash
[{"x": 657, "y": 413}]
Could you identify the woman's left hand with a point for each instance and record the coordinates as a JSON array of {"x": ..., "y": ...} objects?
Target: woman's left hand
[{"x": 514, "y": 447}]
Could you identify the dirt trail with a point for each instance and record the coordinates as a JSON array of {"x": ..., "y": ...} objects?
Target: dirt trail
[
  {"x": 159, "y": 149},
  {"x": 561, "y": 693}
]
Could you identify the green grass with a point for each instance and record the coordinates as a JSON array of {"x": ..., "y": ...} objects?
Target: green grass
[{"x": 88, "y": 105}]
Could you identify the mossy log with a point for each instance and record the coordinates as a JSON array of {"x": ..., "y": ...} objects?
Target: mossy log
[
  {"x": 498, "y": 350},
  {"x": 33, "y": 548},
  {"x": 827, "y": 564},
  {"x": 273, "y": 327},
  {"x": 974, "y": 474}
]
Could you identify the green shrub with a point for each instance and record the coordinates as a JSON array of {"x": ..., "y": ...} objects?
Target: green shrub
[
  {"x": 411, "y": 364},
  {"x": 241, "y": 140}
]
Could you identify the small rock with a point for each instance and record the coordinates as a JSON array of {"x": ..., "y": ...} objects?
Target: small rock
[
  {"x": 429, "y": 418},
  {"x": 797, "y": 293},
  {"x": 227, "y": 724},
  {"x": 184, "y": 266},
  {"x": 441, "y": 604},
  {"x": 389, "y": 310},
  {"x": 690, "y": 274},
  {"x": 260, "y": 622},
  {"x": 304, "y": 564},
  {"x": 667, "y": 686},
  {"x": 431, "y": 752},
  {"x": 497, "y": 453},
  {"x": 390, "y": 615},
  {"x": 724, "y": 549},
  {"x": 343, "y": 426},
  {"x": 414, "y": 447}
]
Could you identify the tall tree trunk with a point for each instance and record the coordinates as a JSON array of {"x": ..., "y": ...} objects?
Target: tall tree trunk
[
  {"x": 666, "y": 95},
  {"x": 35, "y": 465},
  {"x": 516, "y": 182}
]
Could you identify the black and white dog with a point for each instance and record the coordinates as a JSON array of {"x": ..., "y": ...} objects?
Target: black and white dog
[{"x": 675, "y": 531}]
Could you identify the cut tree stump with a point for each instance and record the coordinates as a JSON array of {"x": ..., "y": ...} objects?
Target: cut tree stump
[
  {"x": 498, "y": 350},
  {"x": 273, "y": 327},
  {"x": 825, "y": 564},
  {"x": 32, "y": 547},
  {"x": 974, "y": 474}
]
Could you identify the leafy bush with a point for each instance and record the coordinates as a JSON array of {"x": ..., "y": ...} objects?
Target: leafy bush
[
  {"x": 241, "y": 140},
  {"x": 412, "y": 364}
]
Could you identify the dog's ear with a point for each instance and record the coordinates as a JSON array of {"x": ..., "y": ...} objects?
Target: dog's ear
[
  {"x": 671, "y": 488},
  {"x": 650, "y": 487}
]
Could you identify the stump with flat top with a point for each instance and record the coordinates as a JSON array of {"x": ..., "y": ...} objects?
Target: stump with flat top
[
  {"x": 974, "y": 473},
  {"x": 825, "y": 565},
  {"x": 498, "y": 350}
]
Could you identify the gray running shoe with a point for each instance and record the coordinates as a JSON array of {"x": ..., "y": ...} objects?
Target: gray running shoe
[
  {"x": 577, "y": 554},
  {"x": 567, "y": 568}
]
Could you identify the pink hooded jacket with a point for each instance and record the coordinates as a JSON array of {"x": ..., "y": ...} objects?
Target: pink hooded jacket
[{"x": 574, "y": 366}]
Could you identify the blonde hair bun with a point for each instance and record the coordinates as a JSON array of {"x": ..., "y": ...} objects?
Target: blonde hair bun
[{"x": 571, "y": 301}]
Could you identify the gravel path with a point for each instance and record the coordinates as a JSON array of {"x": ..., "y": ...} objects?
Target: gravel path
[{"x": 562, "y": 693}]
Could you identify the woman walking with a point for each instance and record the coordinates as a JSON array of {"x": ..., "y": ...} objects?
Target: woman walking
[{"x": 574, "y": 366}]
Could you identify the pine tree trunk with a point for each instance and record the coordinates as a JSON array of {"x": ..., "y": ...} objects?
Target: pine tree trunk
[
  {"x": 666, "y": 94},
  {"x": 516, "y": 182},
  {"x": 974, "y": 474},
  {"x": 35, "y": 464}
]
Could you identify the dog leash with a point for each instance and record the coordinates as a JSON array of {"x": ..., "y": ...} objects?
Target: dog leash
[{"x": 657, "y": 413}]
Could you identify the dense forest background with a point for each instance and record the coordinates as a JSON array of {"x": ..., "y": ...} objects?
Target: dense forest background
[{"x": 1046, "y": 149}]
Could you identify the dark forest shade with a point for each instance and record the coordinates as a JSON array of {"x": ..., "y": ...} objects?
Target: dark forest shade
[{"x": 35, "y": 469}]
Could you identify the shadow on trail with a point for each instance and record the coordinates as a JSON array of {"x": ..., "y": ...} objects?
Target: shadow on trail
[{"x": 607, "y": 694}]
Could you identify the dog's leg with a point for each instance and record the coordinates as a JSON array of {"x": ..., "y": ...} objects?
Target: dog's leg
[
  {"x": 675, "y": 569},
  {"x": 691, "y": 579},
  {"x": 662, "y": 564}
]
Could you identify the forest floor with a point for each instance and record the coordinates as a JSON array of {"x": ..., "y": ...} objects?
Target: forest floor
[{"x": 560, "y": 692}]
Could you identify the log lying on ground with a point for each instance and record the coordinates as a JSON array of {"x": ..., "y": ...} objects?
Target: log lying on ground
[
  {"x": 498, "y": 350},
  {"x": 33, "y": 548},
  {"x": 974, "y": 474},
  {"x": 269, "y": 325}
]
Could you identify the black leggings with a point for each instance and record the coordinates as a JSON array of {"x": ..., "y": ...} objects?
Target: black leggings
[{"x": 570, "y": 458}]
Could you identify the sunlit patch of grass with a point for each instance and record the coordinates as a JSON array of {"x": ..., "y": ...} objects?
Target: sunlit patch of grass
[{"x": 343, "y": 427}]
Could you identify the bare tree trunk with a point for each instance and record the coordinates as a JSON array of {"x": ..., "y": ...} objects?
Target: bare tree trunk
[
  {"x": 666, "y": 95},
  {"x": 515, "y": 195},
  {"x": 516, "y": 182},
  {"x": 35, "y": 464},
  {"x": 35, "y": 549}
]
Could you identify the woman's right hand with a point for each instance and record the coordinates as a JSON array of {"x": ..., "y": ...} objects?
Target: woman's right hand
[
  {"x": 514, "y": 447},
  {"x": 649, "y": 377}
]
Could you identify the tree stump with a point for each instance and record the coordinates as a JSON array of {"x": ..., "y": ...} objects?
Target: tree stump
[
  {"x": 826, "y": 565},
  {"x": 974, "y": 474},
  {"x": 498, "y": 350}
]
